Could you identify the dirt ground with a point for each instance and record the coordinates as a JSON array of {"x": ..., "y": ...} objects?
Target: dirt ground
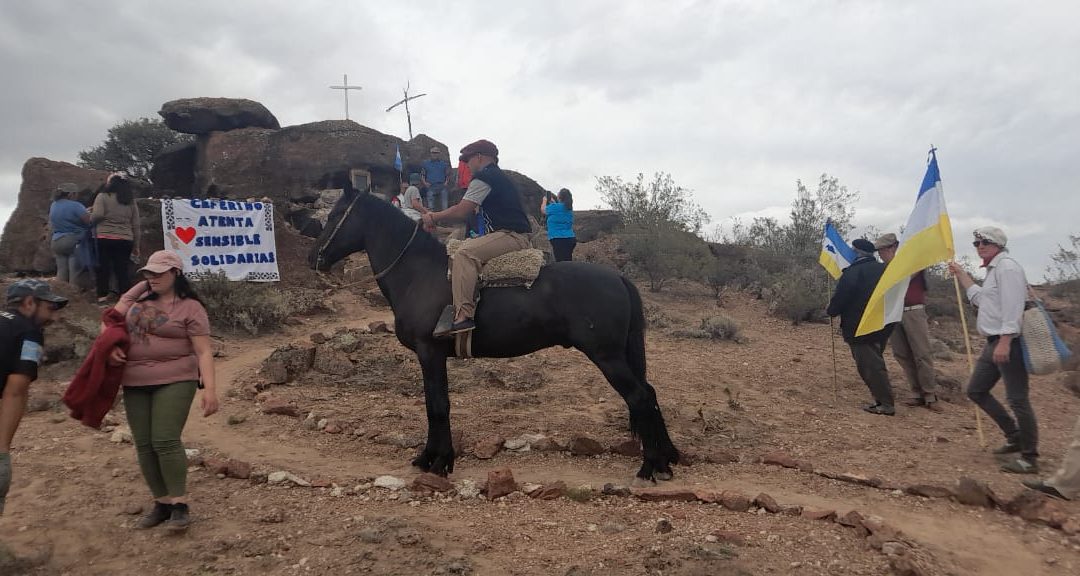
[{"x": 76, "y": 492}]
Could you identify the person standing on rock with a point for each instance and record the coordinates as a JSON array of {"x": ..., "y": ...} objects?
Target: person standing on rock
[
  {"x": 1001, "y": 300},
  {"x": 117, "y": 220},
  {"x": 30, "y": 306},
  {"x": 170, "y": 356},
  {"x": 849, "y": 300},
  {"x": 507, "y": 229},
  {"x": 911, "y": 338},
  {"x": 560, "y": 224},
  {"x": 436, "y": 179},
  {"x": 69, "y": 221}
]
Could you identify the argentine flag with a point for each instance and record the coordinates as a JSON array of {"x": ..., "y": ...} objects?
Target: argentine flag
[
  {"x": 927, "y": 240},
  {"x": 835, "y": 253},
  {"x": 397, "y": 158}
]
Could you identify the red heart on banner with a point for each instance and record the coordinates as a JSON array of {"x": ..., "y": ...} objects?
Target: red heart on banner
[{"x": 185, "y": 234}]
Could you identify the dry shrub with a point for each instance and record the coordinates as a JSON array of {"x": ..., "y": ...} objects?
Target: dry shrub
[
  {"x": 242, "y": 306},
  {"x": 799, "y": 296},
  {"x": 717, "y": 327}
]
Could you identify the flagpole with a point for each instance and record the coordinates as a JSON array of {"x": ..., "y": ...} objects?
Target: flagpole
[
  {"x": 970, "y": 362},
  {"x": 832, "y": 339}
]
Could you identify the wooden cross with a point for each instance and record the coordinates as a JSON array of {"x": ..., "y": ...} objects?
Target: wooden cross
[
  {"x": 405, "y": 101},
  {"x": 345, "y": 88}
]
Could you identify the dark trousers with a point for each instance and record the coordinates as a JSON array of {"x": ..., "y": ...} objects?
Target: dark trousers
[
  {"x": 870, "y": 360},
  {"x": 113, "y": 262},
  {"x": 563, "y": 248},
  {"x": 1024, "y": 430}
]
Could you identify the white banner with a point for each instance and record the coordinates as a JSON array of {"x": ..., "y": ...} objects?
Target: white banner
[{"x": 213, "y": 236}]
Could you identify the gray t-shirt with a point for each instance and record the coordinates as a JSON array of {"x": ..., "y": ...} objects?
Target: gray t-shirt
[
  {"x": 477, "y": 191},
  {"x": 411, "y": 193}
]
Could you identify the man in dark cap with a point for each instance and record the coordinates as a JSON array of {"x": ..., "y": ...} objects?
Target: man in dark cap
[
  {"x": 911, "y": 338},
  {"x": 853, "y": 291},
  {"x": 31, "y": 305},
  {"x": 507, "y": 228}
]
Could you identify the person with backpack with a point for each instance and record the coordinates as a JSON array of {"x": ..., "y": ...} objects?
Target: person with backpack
[{"x": 1000, "y": 300}]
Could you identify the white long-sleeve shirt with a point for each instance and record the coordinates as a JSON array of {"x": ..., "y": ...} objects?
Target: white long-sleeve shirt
[{"x": 1000, "y": 298}]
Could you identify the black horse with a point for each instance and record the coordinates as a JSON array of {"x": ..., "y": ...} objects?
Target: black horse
[{"x": 571, "y": 304}]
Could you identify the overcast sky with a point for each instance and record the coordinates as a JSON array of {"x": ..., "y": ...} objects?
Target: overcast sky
[{"x": 737, "y": 100}]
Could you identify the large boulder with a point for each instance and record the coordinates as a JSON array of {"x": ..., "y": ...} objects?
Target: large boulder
[
  {"x": 24, "y": 246},
  {"x": 591, "y": 224},
  {"x": 173, "y": 172},
  {"x": 287, "y": 164},
  {"x": 206, "y": 115}
]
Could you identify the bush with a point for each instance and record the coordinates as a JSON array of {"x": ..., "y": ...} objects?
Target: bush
[
  {"x": 721, "y": 327},
  {"x": 247, "y": 306},
  {"x": 664, "y": 253},
  {"x": 799, "y": 295}
]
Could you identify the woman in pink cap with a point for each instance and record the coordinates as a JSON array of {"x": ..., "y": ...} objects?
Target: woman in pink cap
[{"x": 169, "y": 358}]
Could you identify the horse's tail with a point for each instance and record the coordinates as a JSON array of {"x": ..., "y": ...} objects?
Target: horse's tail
[{"x": 635, "y": 337}]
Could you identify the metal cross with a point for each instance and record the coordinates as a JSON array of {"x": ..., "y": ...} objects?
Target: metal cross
[
  {"x": 405, "y": 101},
  {"x": 345, "y": 88}
]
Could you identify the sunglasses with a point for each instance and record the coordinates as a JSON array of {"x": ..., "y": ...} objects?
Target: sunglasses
[{"x": 978, "y": 243}]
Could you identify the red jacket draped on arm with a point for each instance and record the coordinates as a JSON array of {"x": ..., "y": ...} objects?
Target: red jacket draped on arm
[{"x": 92, "y": 392}]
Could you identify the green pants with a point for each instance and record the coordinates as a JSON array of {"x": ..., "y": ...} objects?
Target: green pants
[{"x": 157, "y": 415}]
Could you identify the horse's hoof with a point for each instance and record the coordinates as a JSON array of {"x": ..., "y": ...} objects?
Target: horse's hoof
[
  {"x": 639, "y": 482},
  {"x": 665, "y": 476}
]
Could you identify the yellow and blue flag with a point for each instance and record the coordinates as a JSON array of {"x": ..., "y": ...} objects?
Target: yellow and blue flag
[
  {"x": 927, "y": 240},
  {"x": 835, "y": 253}
]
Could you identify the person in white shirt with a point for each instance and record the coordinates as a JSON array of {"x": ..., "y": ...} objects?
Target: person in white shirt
[
  {"x": 409, "y": 199},
  {"x": 1000, "y": 302}
]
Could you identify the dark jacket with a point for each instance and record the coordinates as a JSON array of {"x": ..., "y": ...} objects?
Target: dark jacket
[
  {"x": 853, "y": 291},
  {"x": 502, "y": 207},
  {"x": 92, "y": 392}
]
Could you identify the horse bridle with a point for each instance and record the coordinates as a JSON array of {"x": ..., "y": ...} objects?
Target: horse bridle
[{"x": 345, "y": 216}]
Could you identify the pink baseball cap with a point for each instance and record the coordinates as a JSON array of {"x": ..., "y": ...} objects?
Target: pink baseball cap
[{"x": 162, "y": 261}]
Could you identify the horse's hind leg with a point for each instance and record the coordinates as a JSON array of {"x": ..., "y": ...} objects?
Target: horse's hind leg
[{"x": 646, "y": 421}]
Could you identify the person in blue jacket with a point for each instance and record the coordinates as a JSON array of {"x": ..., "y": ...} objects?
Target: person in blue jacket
[{"x": 560, "y": 224}]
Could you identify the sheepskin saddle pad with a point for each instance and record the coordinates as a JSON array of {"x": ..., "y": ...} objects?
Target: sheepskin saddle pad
[{"x": 518, "y": 268}]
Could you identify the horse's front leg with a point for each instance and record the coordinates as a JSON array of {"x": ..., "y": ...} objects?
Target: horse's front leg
[{"x": 438, "y": 454}]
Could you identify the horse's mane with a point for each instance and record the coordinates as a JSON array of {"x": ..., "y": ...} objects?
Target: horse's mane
[{"x": 387, "y": 220}]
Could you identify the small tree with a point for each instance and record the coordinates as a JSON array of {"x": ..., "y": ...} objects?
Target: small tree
[
  {"x": 664, "y": 252},
  {"x": 131, "y": 146},
  {"x": 1066, "y": 262},
  {"x": 659, "y": 202}
]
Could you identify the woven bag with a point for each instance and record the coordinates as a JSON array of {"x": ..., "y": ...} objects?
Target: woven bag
[{"x": 1044, "y": 350}]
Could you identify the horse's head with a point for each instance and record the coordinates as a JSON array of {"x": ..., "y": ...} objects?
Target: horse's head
[{"x": 344, "y": 230}]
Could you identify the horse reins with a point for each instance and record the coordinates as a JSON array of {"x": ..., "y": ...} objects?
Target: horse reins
[{"x": 337, "y": 227}]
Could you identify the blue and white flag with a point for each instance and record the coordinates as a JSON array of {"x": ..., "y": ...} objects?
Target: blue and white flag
[
  {"x": 397, "y": 159},
  {"x": 835, "y": 253}
]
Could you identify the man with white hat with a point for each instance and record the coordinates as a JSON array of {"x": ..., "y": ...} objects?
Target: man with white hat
[
  {"x": 911, "y": 338},
  {"x": 31, "y": 305},
  {"x": 1001, "y": 300}
]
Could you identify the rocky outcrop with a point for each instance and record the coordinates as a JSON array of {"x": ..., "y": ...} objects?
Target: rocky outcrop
[
  {"x": 24, "y": 246},
  {"x": 173, "y": 173},
  {"x": 206, "y": 115},
  {"x": 591, "y": 224},
  {"x": 287, "y": 165}
]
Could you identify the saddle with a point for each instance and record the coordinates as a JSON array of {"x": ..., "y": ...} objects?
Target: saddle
[{"x": 518, "y": 268}]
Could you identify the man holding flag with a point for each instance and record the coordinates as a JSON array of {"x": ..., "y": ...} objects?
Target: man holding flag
[{"x": 848, "y": 302}]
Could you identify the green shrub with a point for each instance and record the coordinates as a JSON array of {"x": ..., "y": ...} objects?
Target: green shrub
[
  {"x": 721, "y": 327},
  {"x": 664, "y": 252},
  {"x": 799, "y": 295},
  {"x": 242, "y": 306}
]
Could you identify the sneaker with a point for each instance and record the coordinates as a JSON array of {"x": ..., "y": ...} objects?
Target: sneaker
[
  {"x": 1008, "y": 448},
  {"x": 1020, "y": 466},
  {"x": 180, "y": 519},
  {"x": 160, "y": 513},
  {"x": 1045, "y": 488}
]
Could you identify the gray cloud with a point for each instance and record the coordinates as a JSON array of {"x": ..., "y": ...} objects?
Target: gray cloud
[{"x": 736, "y": 99}]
